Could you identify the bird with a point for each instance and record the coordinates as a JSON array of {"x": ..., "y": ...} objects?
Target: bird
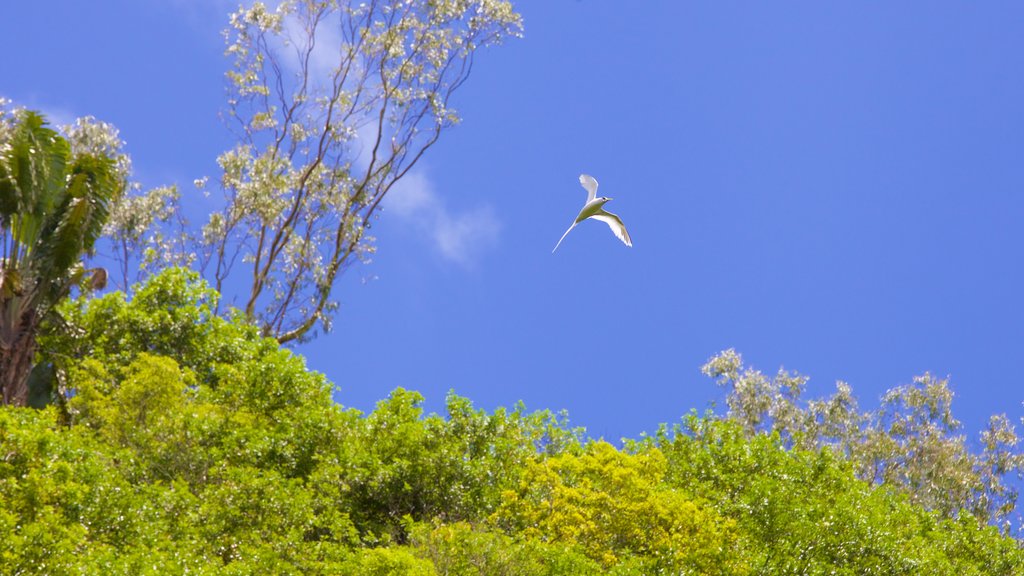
[{"x": 594, "y": 208}]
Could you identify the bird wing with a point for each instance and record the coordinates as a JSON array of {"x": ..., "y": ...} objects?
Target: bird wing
[
  {"x": 564, "y": 235},
  {"x": 590, "y": 184},
  {"x": 615, "y": 223}
]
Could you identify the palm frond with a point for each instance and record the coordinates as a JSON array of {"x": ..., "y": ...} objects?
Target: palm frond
[
  {"x": 52, "y": 210},
  {"x": 33, "y": 165}
]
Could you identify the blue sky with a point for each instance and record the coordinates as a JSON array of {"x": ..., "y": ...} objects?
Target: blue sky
[{"x": 835, "y": 188}]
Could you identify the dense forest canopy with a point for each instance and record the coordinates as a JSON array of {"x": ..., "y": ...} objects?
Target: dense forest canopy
[{"x": 192, "y": 443}]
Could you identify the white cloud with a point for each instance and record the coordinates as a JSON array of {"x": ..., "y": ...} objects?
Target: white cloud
[
  {"x": 459, "y": 237},
  {"x": 410, "y": 195},
  {"x": 462, "y": 237}
]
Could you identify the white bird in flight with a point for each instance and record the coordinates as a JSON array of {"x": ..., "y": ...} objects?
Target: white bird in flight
[{"x": 594, "y": 208}]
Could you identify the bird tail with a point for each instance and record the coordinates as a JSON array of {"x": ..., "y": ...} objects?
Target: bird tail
[{"x": 563, "y": 237}]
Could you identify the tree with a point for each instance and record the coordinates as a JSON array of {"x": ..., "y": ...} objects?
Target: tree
[
  {"x": 333, "y": 103},
  {"x": 53, "y": 203},
  {"x": 911, "y": 442}
]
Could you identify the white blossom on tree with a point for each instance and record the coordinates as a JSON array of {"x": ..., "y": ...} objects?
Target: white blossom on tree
[
  {"x": 333, "y": 102},
  {"x": 911, "y": 442}
]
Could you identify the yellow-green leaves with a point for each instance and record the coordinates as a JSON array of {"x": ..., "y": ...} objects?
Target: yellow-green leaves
[{"x": 615, "y": 506}]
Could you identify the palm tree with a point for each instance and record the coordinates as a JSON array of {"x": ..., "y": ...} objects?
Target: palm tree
[{"x": 53, "y": 205}]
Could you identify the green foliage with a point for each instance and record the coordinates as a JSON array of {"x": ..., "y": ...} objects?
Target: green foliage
[
  {"x": 214, "y": 390},
  {"x": 462, "y": 549},
  {"x": 191, "y": 444},
  {"x": 66, "y": 505},
  {"x": 453, "y": 468},
  {"x": 805, "y": 512},
  {"x": 386, "y": 562}
]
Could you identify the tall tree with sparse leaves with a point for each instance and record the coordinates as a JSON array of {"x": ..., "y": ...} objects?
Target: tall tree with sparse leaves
[
  {"x": 333, "y": 103},
  {"x": 53, "y": 204}
]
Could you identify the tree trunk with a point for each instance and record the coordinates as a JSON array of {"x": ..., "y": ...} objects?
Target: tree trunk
[{"x": 16, "y": 361}]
